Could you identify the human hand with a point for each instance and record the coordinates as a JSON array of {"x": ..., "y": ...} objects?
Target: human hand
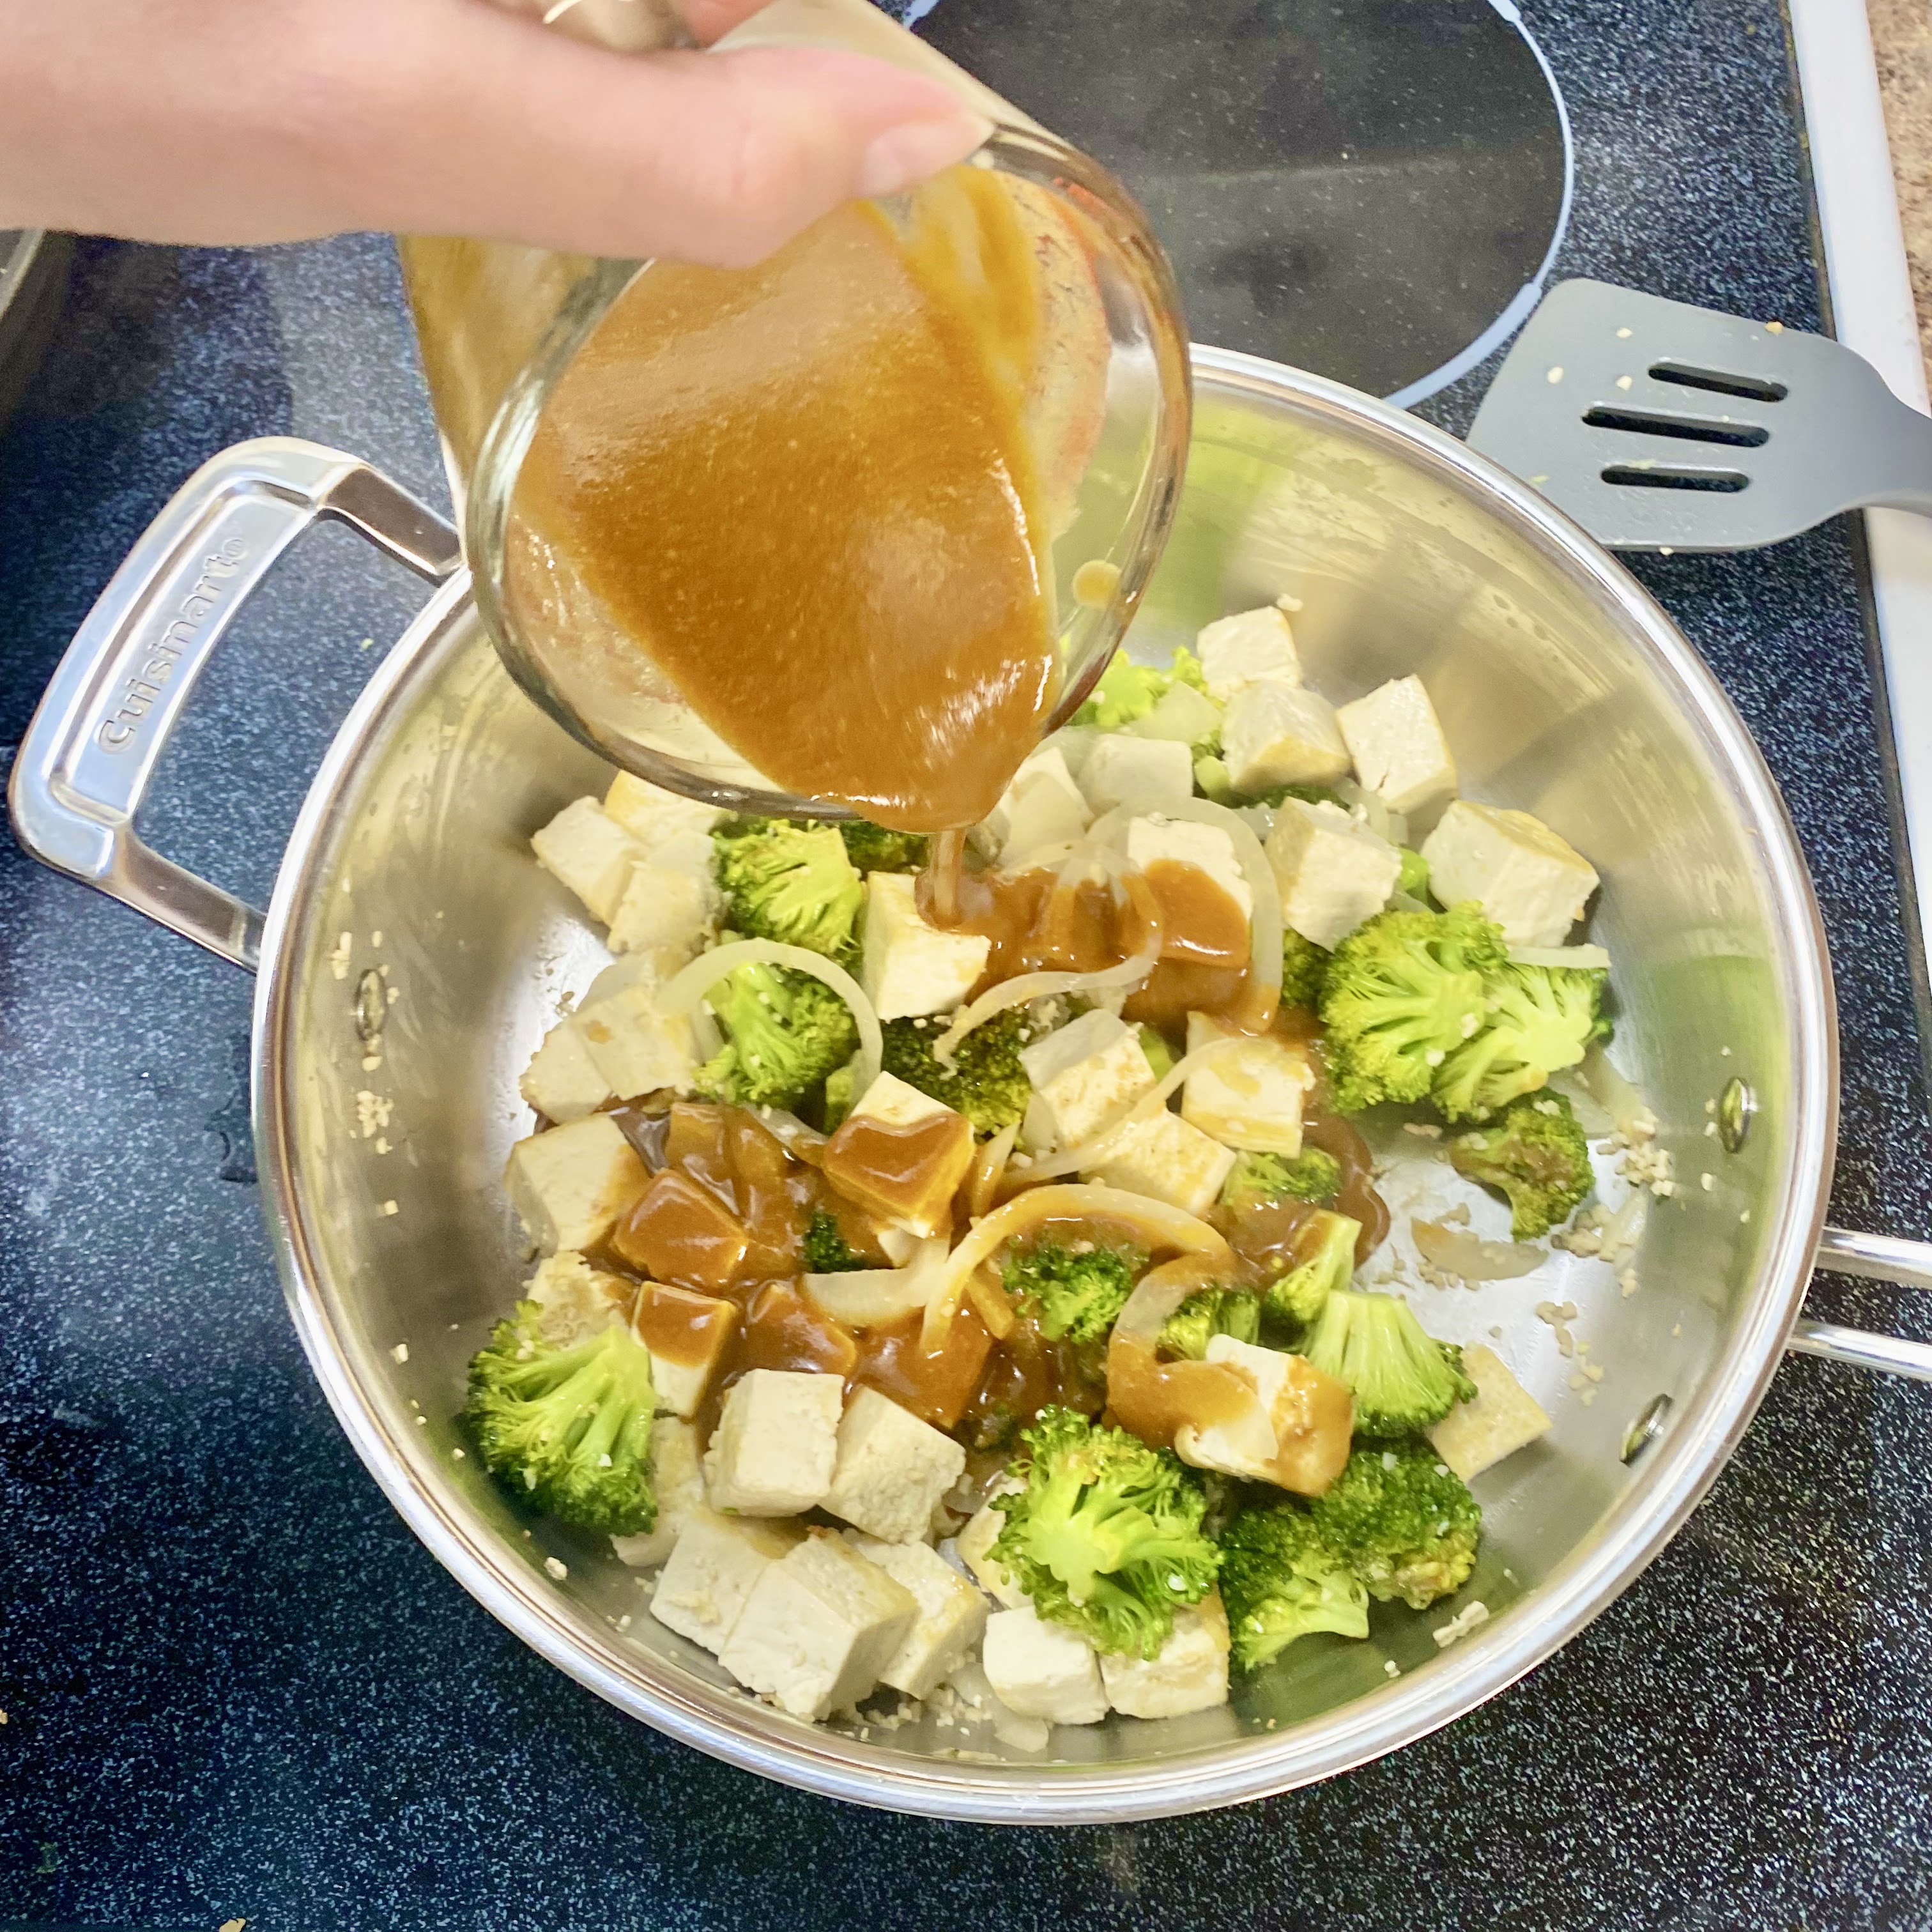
[{"x": 235, "y": 122}]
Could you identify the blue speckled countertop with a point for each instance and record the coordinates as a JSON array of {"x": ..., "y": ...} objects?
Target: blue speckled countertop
[{"x": 235, "y": 1687}]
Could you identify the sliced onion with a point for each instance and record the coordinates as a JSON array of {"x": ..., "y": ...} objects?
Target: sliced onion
[
  {"x": 1465, "y": 1254},
  {"x": 683, "y": 994},
  {"x": 981, "y": 1185},
  {"x": 1264, "y": 913},
  {"x": 1385, "y": 823},
  {"x": 1586, "y": 959},
  {"x": 990, "y": 1300},
  {"x": 898, "y": 1245},
  {"x": 870, "y": 1297},
  {"x": 1611, "y": 1091},
  {"x": 1029, "y": 986},
  {"x": 1166, "y": 1226},
  {"x": 801, "y": 1142},
  {"x": 1073, "y": 1159},
  {"x": 1156, "y": 1295}
]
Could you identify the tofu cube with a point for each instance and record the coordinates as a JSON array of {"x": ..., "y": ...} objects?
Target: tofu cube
[
  {"x": 1294, "y": 1394},
  {"x": 950, "y": 1619},
  {"x": 591, "y": 852},
  {"x": 1332, "y": 872},
  {"x": 562, "y": 1082},
  {"x": 636, "y": 1046},
  {"x": 891, "y": 1469},
  {"x": 915, "y": 1195},
  {"x": 1042, "y": 806},
  {"x": 687, "y": 1334},
  {"x": 1165, "y": 1158},
  {"x": 1530, "y": 881},
  {"x": 1042, "y": 1670},
  {"x": 1395, "y": 741},
  {"x": 1502, "y": 1418},
  {"x": 908, "y": 967},
  {"x": 678, "y": 1477},
  {"x": 1251, "y": 647},
  {"x": 577, "y": 1301},
  {"x": 1189, "y": 1674},
  {"x": 1250, "y": 1095},
  {"x": 1277, "y": 734},
  {"x": 672, "y": 903},
  {"x": 713, "y": 1568},
  {"x": 570, "y": 1184},
  {"x": 975, "y": 1546},
  {"x": 818, "y": 1628},
  {"x": 1082, "y": 1074},
  {"x": 652, "y": 815},
  {"x": 1145, "y": 771},
  {"x": 679, "y": 1231},
  {"x": 1155, "y": 840},
  {"x": 776, "y": 1444}
]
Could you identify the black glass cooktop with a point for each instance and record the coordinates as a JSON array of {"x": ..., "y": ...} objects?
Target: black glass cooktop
[{"x": 1370, "y": 189}]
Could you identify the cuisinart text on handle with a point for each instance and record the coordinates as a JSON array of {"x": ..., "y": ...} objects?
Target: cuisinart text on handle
[{"x": 118, "y": 734}]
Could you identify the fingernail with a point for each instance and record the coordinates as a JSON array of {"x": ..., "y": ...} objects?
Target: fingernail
[{"x": 903, "y": 157}]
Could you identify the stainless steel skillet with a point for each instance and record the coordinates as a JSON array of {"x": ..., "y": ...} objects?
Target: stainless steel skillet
[{"x": 411, "y": 954}]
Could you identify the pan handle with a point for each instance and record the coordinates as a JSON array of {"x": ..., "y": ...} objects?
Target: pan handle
[
  {"x": 91, "y": 751},
  {"x": 1871, "y": 1258}
]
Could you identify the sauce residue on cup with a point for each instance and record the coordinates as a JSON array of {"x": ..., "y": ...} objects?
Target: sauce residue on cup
[{"x": 807, "y": 492}]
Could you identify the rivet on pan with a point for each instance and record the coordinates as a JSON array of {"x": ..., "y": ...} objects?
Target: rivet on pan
[
  {"x": 1646, "y": 1429},
  {"x": 1735, "y": 1105},
  {"x": 371, "y": 1008}
]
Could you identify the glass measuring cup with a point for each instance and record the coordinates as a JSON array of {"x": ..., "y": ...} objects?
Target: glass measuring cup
[{"x": 505, "y": 334}]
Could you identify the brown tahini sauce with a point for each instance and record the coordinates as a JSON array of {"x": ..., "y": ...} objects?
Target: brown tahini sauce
[
  {"x": 1037, "y": 924},
  {"x": 805, "y": 491}
]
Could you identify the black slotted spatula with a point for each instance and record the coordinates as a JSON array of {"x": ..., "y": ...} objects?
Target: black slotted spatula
[{"x": 1660, "y": 426}]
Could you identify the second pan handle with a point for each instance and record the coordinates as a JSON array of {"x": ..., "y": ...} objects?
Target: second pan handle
[{"x": 1871, "y": 1258}]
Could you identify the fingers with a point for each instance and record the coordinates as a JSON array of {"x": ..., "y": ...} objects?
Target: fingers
[
  {"x": 231, "y": 121},
  {"x": 709, "y": 20},
  {"x": 519, "y": 135}
]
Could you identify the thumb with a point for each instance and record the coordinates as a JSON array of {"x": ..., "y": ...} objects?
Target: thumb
[{"x": 718, "y": 158}]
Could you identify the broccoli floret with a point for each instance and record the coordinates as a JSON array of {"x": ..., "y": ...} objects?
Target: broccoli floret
[
  {"x": 1255, "y": 1178},
  {"x": 876, "y": 848},
  {"x": 1127, "y": 691},
  {"x": 1534, "y": 1152},
  {"x": 1327, "y": 1242},
  {"x": 1304, "y": 965},
  {"x": 825, "y": 1250},
  {"x": 841, "y": 1094},
  {"x": 1214, "y": 1311},
  {"x": 1402, "y": 1380},
  {"x": 1402, "y": 993},
  {"x": 1160, "y": 1054},
  {"x": 1076, "y": 1293},
  {"x": 1536, "y": 1019},
  {"x": 788, "y": 1032},
  {"x": 1106, "y": 1536},
  {"x": 1404, "y": 1523},
  {"x": 1211, "y": 780},
  {"x": 1280, "y": 1580},
  {"x": 985, "y": 1082},
  {"x": 1275, "y": 796},
  {"x": 568, "y": 1430},
  {"x": 1414, "y": 878},
  {"x": 789, "y": 881}
]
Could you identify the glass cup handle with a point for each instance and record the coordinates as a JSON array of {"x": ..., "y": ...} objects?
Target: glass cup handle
[{"x": 91, "y": 751}]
